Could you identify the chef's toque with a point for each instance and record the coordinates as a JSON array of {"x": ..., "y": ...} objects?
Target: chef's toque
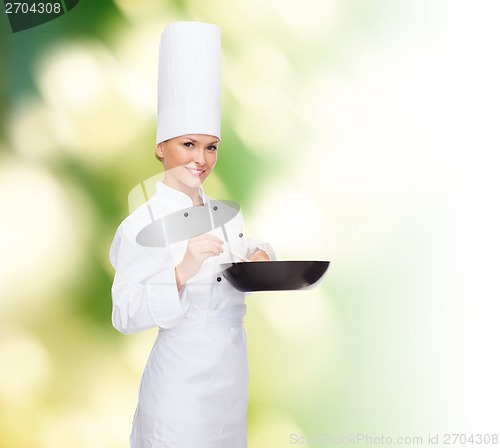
[{"x": 189, "y": 81}]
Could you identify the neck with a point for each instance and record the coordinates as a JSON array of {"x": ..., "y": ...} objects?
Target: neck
[{"x": 192, "y": 192}]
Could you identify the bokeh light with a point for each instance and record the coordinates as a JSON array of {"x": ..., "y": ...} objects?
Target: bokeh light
[
  {"x": 26, "y": 368},
  {"x": 43, "y": 239},
  {"x": 91, "y": 85}
]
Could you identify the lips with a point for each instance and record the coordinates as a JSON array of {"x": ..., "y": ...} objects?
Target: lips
[{"x": 195, "y": 171}]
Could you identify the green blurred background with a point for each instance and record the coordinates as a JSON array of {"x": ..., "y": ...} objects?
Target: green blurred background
[{"x": 359, "y": 131}]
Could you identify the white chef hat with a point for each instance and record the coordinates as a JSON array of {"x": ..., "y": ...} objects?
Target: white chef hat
[{"x": 189, "y": 81}]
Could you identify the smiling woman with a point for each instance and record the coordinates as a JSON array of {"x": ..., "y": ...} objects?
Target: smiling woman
[{"x": 194, "y": 390}]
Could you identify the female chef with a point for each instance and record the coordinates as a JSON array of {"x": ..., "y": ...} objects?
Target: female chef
[{"x": 194, "y": 390}]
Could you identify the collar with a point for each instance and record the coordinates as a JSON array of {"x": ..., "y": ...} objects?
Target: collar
[{"x": 176, "y": 196}]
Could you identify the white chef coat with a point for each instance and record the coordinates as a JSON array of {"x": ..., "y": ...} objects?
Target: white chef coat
[{"x": 194, "y": 390}]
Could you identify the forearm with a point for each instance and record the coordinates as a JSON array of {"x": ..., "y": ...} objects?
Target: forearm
[{"x": 180, "y": 285}]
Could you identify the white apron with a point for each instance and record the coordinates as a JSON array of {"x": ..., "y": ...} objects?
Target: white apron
[{"x": 194, "y": 390}]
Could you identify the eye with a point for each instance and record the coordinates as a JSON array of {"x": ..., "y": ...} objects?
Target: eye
[
  {"x": 212, "y": 148},
  {"x": 188, "y": 144}
]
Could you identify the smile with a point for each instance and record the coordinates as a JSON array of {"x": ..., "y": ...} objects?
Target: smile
[{"x": 195, "y": 172}]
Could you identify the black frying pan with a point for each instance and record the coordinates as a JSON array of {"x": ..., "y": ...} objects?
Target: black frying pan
[{"x": 275, "y": 275}]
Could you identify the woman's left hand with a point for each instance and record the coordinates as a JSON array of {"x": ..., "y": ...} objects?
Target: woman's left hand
[{"x": 259, "y": 255}]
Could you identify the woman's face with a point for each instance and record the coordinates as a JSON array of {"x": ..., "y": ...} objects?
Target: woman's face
[{"x": 188, "y": 160}]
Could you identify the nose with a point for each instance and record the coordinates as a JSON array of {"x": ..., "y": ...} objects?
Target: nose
[{"x": 199, "y": 157}]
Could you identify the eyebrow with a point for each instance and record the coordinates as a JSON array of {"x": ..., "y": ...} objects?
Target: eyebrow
[{"x": 196, "y": 141}]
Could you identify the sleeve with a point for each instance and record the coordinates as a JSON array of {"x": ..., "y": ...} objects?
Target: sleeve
[
  {"x": 144, "y": 291},
  {"x": 253, "y": 245}
]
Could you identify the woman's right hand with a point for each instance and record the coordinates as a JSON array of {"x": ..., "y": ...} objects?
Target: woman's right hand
[{"x": 198, "y": 250}]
